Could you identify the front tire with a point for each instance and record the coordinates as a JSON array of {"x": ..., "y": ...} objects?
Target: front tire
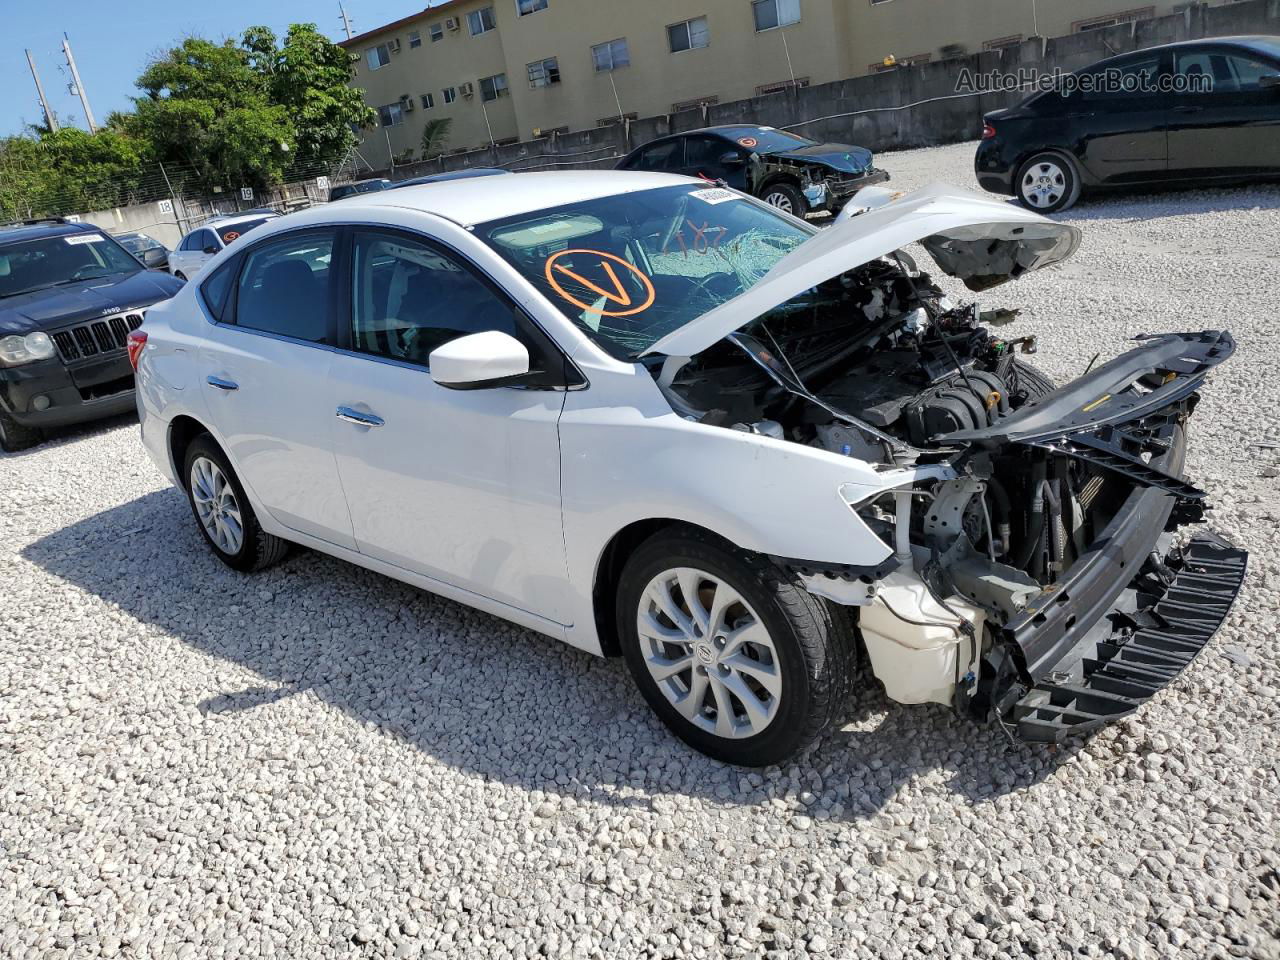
[
  {"x": 786, "y": 197},
  {"x": 223, "y": 512},
  {"x": 1047, "y": 183},
  {"x": 14, "y": 436},
  {"x": 734, "y": 656}
]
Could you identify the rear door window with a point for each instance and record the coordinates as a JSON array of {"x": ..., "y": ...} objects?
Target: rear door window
[
  {"x": 663, "y": 156},
  {"x": 284, "y": 287},
  {"x": 231, "y": 232}
]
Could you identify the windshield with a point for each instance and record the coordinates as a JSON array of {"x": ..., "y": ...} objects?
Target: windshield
[
  {"x": 629, "y": 269},
  {"x": 137, "y": 243},
  {"x": 50, "y": 261},
  {"x": 234, "y": 231},
  {"x": 769, "y": 140}
]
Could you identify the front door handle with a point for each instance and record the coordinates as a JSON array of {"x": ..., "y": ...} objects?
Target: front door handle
[
  {"x": 361, "y": 419},
  {"x": 222, "y": 384}
]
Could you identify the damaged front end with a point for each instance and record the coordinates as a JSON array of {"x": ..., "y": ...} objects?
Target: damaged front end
[{"x": 1035, "y": 579}]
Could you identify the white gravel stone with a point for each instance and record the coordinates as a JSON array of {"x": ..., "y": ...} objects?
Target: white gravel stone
[{"x": 317, "y": 761}]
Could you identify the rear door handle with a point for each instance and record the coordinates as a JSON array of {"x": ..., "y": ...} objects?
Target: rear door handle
[
  {"x": 222, "y": 384},
  {"x": 362, "y": 419}
]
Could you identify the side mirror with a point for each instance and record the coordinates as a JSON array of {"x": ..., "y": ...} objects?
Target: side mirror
[
  {"x": 732, "y": 159},
  {"x": 478, "y": 361},
  {"x": 153, "y": 257},
  {"x": 211, "y": 249}
]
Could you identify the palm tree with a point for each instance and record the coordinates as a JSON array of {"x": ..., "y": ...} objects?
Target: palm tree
[{"x": 435, "y": 134}]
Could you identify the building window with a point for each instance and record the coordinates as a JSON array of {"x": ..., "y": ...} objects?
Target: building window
[
  {"x": 379, "y": 56},
  {"x": 450, "y": 94},
  {"x": 437, "y": 32},
  {"x": 1112, "y": 20},
  {"x": 391, "y": 115},
  {"x": 544, "y": 73},
  {"x": 775, "y": 13},
  {"x": 526, "y": 7},
  {"x": 503, "y": 142},
  {"x": 615, "y": 119},
  {"x": 480, "y": 21},
  {"x": 766, "y": 88},
  {"x": 491, "y": 88},
  {"x": 415, "y": 39},
  {"x": 688, "y": 35},
  {"x": 428, "y": 101},
  {"x": 694, "y": 104},
  {"x": 611, "y": 55},
  {"x": 1001, "y": 42}
]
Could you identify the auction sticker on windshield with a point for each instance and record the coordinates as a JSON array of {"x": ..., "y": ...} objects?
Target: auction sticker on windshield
[
  {"x": 84, "y": 238},
  {"x": 594, "y": 270},
  {"x": 714, "y": 195}
]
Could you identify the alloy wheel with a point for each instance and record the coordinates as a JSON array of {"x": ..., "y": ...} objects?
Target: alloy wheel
[
  {"x": 709, "y": 653},
  {"x": 1044, "y": 184},
  {"x": 216, "y": 505},
  {"x": 781, "y": 201}
]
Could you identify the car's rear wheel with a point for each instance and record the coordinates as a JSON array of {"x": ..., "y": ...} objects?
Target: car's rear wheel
[
  {"x": 732, "y": 654},
  {"x": 223, "y": 512},
  {"x": 14, "y": 436},
  {"x": 786, "y": 198},
  {"x": 1048, "y": 182}
]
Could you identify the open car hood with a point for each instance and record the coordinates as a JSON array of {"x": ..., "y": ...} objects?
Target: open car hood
[{"x": 980, "y": 241}]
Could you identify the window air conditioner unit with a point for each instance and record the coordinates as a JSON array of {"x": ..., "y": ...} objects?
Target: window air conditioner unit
[
  {"x": 394, "y": 45},
  {"x": 451, "y": 23},
  {"x": 467, "y": 89}
]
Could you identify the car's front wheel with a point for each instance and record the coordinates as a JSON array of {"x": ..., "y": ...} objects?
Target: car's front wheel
[
  {"x": 223, "y": 513},
  {"x": 1048, "y": 182},
  {"x": 733, "y": 655},
  {"x": 14, "y": 436},
  {"x": 786, "y": 198}
]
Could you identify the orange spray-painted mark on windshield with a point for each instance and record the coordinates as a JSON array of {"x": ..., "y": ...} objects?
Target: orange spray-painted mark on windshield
[{"x": 606, "y": 283}]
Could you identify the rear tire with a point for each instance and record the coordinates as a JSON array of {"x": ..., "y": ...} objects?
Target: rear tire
[
  {"x": 222, "y": 511},
  {"x": 1047, "y": 183},
  {"x": 14, "y": 436},
  {"x": 754, "y": 671}
]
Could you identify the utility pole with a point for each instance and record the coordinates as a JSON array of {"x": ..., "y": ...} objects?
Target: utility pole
[
  {"x": 75, "y": 79},
  {"x": 50, "y": 120},
  {"x": 346, "y": 21}
]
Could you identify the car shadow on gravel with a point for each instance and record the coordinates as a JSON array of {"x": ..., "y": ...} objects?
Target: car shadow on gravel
[
  {"x": 80, "y": 431},
  {"x": 1157, "y": 204},
  {"x": 480, "y": 694}
]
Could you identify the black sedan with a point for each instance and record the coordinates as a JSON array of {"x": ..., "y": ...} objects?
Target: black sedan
[
  {"x": 792, "y": 173},
  {"x": 153, "y": 254},
  {"x": 1199, "y": 112}
]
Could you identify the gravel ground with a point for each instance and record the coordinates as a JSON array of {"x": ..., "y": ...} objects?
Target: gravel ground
[{"x": 318, "y": 761}]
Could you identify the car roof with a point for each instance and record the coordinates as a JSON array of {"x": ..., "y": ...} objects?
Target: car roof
[
  {"x": 228, "y": 219},
  {"x": 480, "y": 199},
  {"x": 1258, "y": 43},
  {"x": 36, "y": 230}
]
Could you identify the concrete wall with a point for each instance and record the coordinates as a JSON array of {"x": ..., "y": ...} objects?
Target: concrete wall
[{"x": 907, "y": 107}]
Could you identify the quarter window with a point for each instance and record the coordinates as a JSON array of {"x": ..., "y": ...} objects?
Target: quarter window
[
  {"x": 775, "y": 13},
  {"x": 378, "y": 57},
  {"x": 544, "y": 73},
  {"x": 216, "y": 288},
  {"x": 410, "y": 297},
  {"x": 662, "y": 156},
  {"x": 480, "y": 21},
  {"x": 611, "y": 55},
  {"x": 689, "y": 35},
  {"x": 491, "y": 88},
  {"x": 526, "y": 7},
  {"x": 284, "y": 287}
]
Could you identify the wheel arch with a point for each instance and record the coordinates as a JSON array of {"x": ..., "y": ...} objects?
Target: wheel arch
[
  {"x": 604, "y": 588},
  {"x": 182, "y": 430}
]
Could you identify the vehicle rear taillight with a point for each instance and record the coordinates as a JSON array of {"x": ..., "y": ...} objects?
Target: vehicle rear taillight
[
  {"x": 136, "y": 340},
  {"x": 988, "y": 131}
]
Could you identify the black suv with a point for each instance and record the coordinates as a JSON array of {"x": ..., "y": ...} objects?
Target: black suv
[{"x": 69, "y": 296}]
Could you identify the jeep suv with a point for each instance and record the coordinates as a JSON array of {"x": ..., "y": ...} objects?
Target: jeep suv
[{"x": 69, "y": 296}]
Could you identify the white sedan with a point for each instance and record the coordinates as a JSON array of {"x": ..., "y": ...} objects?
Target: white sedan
[
  {"x": 205, "y": 242},
  {"x": 660, "y": 419}
]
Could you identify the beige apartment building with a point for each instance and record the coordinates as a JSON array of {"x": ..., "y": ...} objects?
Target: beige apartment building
[{"x": 506, "y": 70}]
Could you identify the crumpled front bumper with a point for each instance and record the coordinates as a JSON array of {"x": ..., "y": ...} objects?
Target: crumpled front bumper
[
  {"x": 1139, "y": 651},
  {"x": 836, "y": 193}
]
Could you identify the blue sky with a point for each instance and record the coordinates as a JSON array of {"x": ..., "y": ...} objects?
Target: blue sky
[{"x": 113, "y": 42}]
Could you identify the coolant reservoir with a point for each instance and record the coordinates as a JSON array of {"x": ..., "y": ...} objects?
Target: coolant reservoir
[{"x": 918, "y": 661}]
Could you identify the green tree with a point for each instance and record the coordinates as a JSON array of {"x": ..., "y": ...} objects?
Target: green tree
[{"x": 435, "y": 134}]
